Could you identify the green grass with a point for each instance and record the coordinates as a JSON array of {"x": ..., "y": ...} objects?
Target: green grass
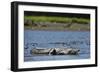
[{"x": 57, "y": 19}]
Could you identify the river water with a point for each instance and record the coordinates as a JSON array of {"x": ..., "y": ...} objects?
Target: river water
[{"x": 56, "y": 39}]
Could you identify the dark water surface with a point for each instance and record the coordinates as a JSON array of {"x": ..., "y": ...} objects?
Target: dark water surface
[{"x": 56, "y": 39}]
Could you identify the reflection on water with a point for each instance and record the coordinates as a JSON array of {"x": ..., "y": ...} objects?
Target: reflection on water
[{"x": 56, "y": 39}]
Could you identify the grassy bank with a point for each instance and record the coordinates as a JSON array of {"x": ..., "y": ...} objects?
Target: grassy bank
[
  {"x": 56, "y": 23},
  {"x": 57, "y": 19}
]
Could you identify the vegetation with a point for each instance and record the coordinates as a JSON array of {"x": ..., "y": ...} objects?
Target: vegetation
[
  {"x": 56, "y": 23},
  {"x": 57, "y": 19}
]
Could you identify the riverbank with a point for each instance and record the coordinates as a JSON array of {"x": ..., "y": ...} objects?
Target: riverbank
[
  {"x": 74, "y": 27},
  {"x": 56, "y": 23}
]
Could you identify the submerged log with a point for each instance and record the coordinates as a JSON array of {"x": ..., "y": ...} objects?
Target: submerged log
[{"x": 55, "y": 51}]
